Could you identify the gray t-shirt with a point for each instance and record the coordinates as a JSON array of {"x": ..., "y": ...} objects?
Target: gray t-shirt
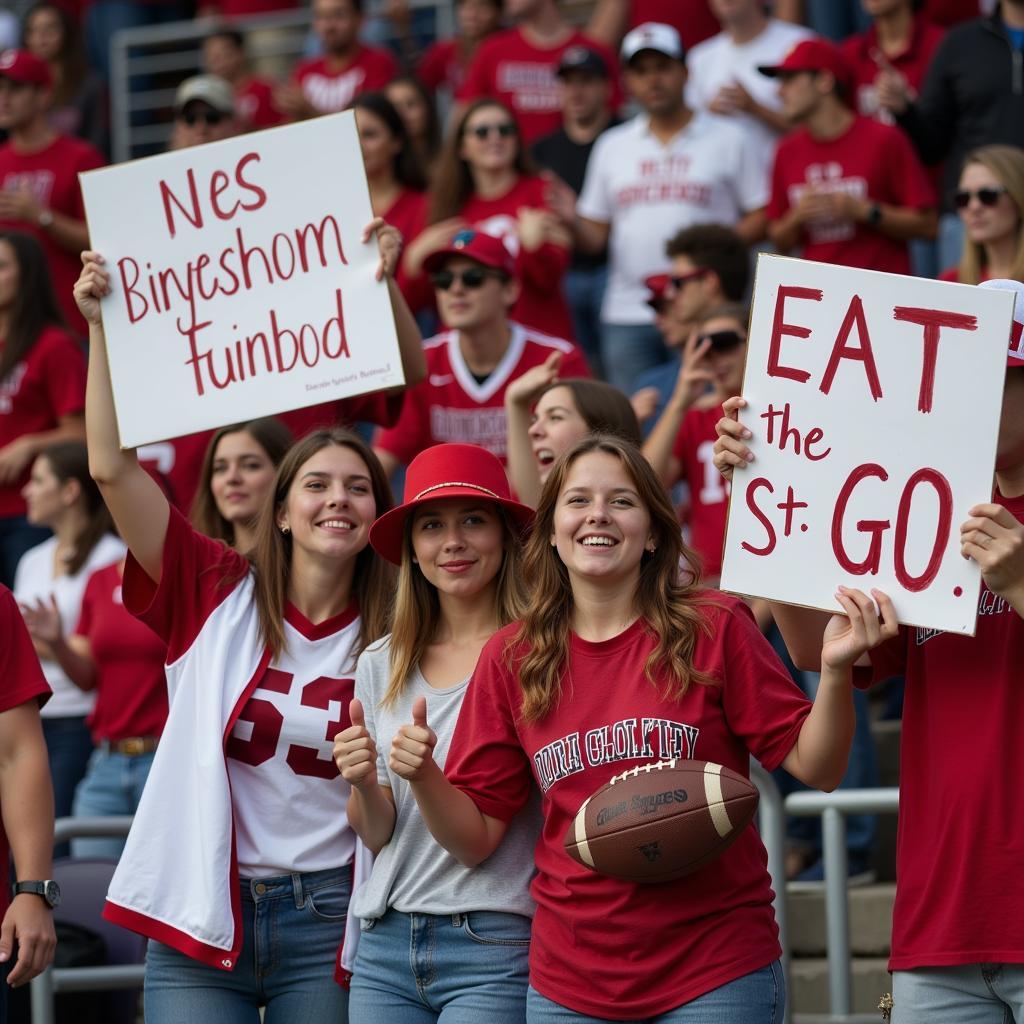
[{"x": 414, "y": 874}]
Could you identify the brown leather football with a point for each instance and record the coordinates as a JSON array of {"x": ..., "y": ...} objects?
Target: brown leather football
[{"x": 662, "y": 820}]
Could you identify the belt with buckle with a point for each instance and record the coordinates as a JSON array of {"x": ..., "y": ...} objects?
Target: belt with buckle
[{"x": 133, "y": 746}]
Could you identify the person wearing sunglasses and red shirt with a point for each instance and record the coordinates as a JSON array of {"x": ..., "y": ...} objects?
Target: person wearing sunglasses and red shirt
[
  {"x": 990, "y": 202},
  {"x": 470, "y": 364},
  {"x": 204, "y": 111}
]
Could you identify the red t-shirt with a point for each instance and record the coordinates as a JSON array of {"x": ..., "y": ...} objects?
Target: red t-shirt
[
  {"x": 951, "y": 12},
  {"x": 960, "y": 843},
  {"x": 636, "y": 951},
  {"x": 709, "y": 492},
  {"x": 692, "y": 19},
  {"x": 508, "y": 67},
  {"x": 541, "y": 303},
  {"x": 442, "y": 67},
  {"x": 131, "y": 693},
  {"x": 21, "y": 680},
  {"x": 330, "y": 90},
  {"x": 51, "y": 175},
  {"x": 860, "y": 52},
  {"x": 452, "y": 406},
  {"x": 408, "y": 213},
  {"x": 254, "y": 102},
  {"x": 179, "y": 461},
  {"x": 870, "y": 160},
  {"x": 47, "y": 384},
  {"x": 243, "y": 8}
]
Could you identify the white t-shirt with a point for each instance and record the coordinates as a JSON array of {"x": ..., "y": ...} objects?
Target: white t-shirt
[
  {"x": 34, "y": 580},
  {"x": 647, "y": 191},
  {"x": 719, "y": 61}
]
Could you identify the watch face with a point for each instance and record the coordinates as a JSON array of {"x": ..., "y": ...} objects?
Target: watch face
[{"x": 52, "y": 893}]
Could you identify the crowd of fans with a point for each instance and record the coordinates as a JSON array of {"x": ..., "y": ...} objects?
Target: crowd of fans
[{"x": 579, "y": 210}]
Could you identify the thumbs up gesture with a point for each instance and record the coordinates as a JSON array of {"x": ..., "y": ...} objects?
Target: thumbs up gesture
[
  {"x": 412, "y": 749},
  {"x": 355, "y": 753}
]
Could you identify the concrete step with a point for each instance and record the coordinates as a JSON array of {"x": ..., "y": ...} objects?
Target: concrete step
[
  {"x": 870, "y": 921},
  {"x": 808, "y": 986}
]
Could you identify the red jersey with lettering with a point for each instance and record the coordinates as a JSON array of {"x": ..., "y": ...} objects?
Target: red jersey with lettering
[
  {"x": 451, "y": 405},
  {"x": 131, "y": 688},
  {"x": 692, "y": 19},
  {"x": 179, "y": 461},
  {"x": 636, "y": 951},
  {"x": 21, "y": 680},
  {"x": 961, "y": 833},
  {"x": 51, "y": 176},
  {"x": 709, "y": 492},
  {"x": 508, "y": 67},
  {"x": 47, "y": 384},
  {"x": 541, "y": 303},
  {"x": 864, "y": 56},
  {"x": 254, "y": 102},
  {"x": 330, "y": 90},
  {"x": 871, "y": 161}
]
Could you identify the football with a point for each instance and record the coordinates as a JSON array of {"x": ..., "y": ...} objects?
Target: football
[{"x": 660, "y": 821}]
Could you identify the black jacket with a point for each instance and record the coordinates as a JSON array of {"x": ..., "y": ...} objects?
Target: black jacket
[{"x": 973, "y": 95}]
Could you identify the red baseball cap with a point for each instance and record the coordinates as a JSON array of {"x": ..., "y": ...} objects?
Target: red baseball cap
[
  {"x": 25, "y": 68},
  {"x": 447, "y": 471},
  {"x": 1015, "y": 356},
  {"x": 477, "y": 246},
  {"x": 657, "y": 285},
  {"x": 813, "y": 55}
]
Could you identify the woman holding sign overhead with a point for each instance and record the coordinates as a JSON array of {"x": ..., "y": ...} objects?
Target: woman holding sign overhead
[
  {"x": 619, "y": 663},
  {"x": 239, "y": 866}
]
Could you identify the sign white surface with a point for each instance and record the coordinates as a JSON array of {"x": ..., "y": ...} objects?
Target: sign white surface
[
  {"x": 240, "y": 283},
  {"x": 874, "y": 401}
]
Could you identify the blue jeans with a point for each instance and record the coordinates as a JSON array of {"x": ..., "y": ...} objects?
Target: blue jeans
[
  {"x": 112, "y": 785},
  {"x": 970, "y": 994},
  {"x": 584, "y": 290},
  {"x": 456, "y": 968},
  {"x": 950, "y": 242},
  {"x": 755, "y": 998},
  {"x": 836, "y": 19},
  {"x": 17, "y": 535},
  {"x": 292, "y": 928},
  {"x": 69, "y": 747},
  {"x": 629, "y": 349}
]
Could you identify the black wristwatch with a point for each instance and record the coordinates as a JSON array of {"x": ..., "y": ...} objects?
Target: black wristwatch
[
  {"x": 875, "y": 214},
  {"x": 49, "y": 890}
]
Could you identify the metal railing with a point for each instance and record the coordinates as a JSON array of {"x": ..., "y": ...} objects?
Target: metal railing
[
  {"x": 55, "y": 980},
  {"x": 147, "y": 63}
]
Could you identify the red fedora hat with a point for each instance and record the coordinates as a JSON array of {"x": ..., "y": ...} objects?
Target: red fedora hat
[{"x": 447, "y": 471}]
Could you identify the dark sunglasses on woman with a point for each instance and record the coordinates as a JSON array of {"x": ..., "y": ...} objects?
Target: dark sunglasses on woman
[
  {"x": 483, "y": 131},
  {"x": 723, "y": 341},
  {"x": 471, "y": 277},
  {"x": 987, "y": 196}
]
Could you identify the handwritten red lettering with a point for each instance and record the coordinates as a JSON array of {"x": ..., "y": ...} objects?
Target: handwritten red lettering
[
  {"x": 769, "y": 546},
  {"x": 841, "y": 350},
  {"x": 781, "y": 329},
  {"x": 874, "y": 527},
  {"x": 915, "y": 584},
  {"x": 932, "y": 320}
]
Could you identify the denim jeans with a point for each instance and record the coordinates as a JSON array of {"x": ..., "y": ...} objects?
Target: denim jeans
[
  {"x": 970, "y": 994},
  {"x": 755, "y": 998},
  {"x": 17, "y": 535},
  {"x": 950, "y": 242},
  {"x": 629, "y": 349},
  {"x": 292, "y": 928},
  {"x": 584, "y": 290},
  {"x": 112, "y": 785},
  {"x": 69, "y": 747},
  {"x": 453, "y": 968}
]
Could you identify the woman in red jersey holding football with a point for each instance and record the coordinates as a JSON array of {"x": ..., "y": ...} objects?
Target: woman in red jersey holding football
[{"x": 622, "y": 661}]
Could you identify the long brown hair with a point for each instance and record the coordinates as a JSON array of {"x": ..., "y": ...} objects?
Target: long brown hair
[
  {"x": 71, "y": 58},
  {"x": 271, "y": 435},
  {"x": 418, "y": 609},
  {"x": 604, "y": 408},
  {"x": 69, "y": 460},
  {"x": 1007, "y": 164},
  {"x": 665, "y": 598},
  {"x": 373, "y": 579},
  {"x": 452, "y": 181},
  {"x": 35, "y": 304}
]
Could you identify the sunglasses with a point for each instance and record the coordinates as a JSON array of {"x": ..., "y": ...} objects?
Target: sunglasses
[
  {"x": 212, "y": 118},
  {"x": 678, "y": 280},
  {"x": 471, "y": 277},
  {"x": 723, "y": 341},
  {"x": 483, "y": 131},
  {"x": 987, "y": 196}
]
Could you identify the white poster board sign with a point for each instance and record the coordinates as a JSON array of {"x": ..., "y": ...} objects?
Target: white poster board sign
[
  {"x": 874, "y": 401},
  {"x": 240, "y": 283}
]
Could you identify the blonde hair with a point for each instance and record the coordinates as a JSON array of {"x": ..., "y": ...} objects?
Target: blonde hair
[
  {"x": 665, "y": 598},
  {"x": 1007, "y": 164},
  {"x": 418, "y": 610}
]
